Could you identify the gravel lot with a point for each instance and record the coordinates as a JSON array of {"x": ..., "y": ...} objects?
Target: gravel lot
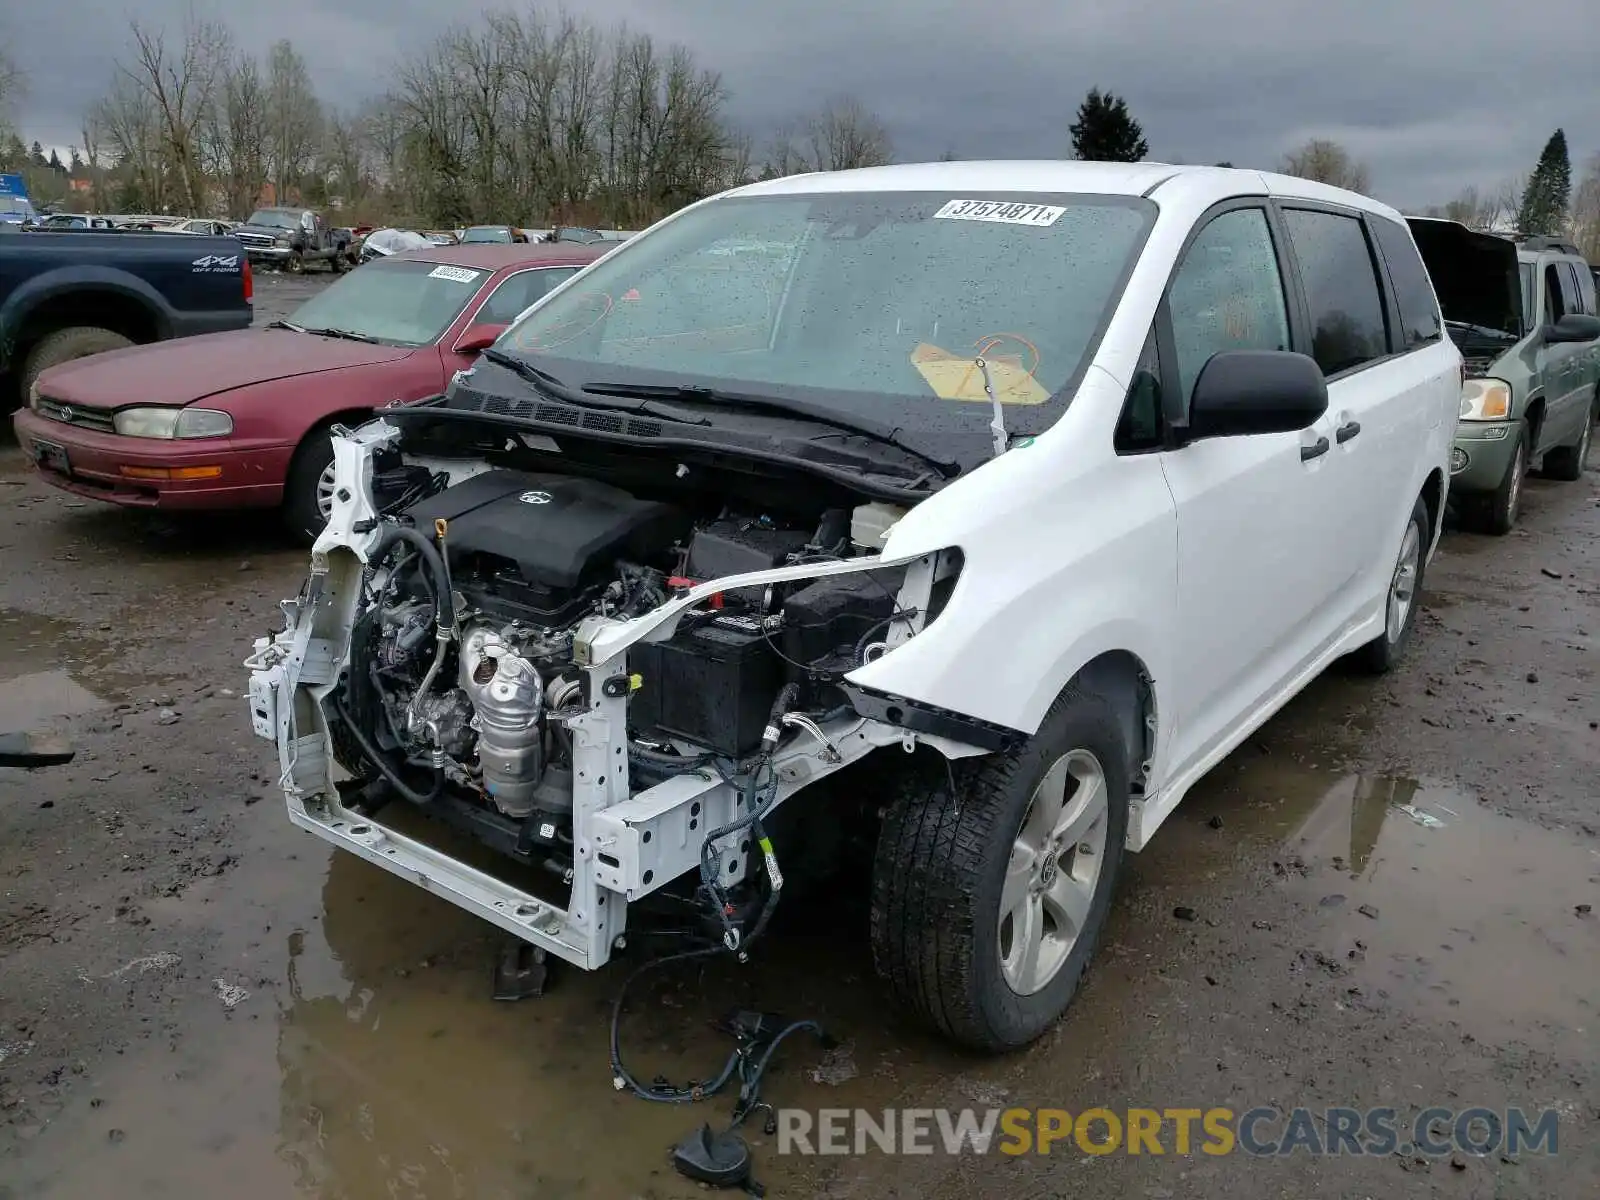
[{"x": 1377, "y": 901}]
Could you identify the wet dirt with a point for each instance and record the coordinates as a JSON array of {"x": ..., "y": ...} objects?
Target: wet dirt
[{"x": 1385, "y": 885}]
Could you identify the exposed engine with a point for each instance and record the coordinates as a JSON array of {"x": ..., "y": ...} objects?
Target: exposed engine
[{"x": 482, "y": 703}]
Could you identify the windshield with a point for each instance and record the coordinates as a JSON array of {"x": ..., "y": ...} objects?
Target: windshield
[
  {"x": 399, "y": 303},
  {"x": 274, "y": 220},
  {"x": 885, "y": 298},
  {"x": 488, "y": 233}
]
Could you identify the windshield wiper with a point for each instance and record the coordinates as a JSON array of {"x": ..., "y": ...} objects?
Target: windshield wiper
[
  {"x": 348, "y": 335},
  {"x": 286, "y": 325},
  {"x": 548, "y": 385},
  {"x": 1482, "y": 330},
  {"x": 694, "y": 394}
]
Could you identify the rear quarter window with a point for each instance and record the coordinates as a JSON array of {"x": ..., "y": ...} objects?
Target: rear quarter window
[{"x": 1420, "y": 323}]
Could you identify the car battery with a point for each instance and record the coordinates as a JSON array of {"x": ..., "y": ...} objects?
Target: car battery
[{"x": 712, "y": 684}]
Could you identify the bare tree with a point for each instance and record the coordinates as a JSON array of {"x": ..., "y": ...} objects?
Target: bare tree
[
  {"x": 1328, "y": 162},
  {"x": 129, "y": 120},
  {"x": 1586, "y": 210},
  {"x": 13, "y": 84},
  {"x": 236, "y": 135},
  {"x": 844, "y": 135},
  {"x": 293, "y": 119},
  {"x": 93, "y": 146}
]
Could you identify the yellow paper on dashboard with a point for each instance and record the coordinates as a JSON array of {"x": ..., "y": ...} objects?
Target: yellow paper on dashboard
[{"x": 956, "y": 377}]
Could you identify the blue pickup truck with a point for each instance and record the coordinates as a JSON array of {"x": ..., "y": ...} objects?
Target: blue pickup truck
[{"x": 65, "y": 295}]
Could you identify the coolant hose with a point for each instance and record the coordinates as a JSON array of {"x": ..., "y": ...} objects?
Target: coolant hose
[
  {"x": 385, "y": 768},
  {"x": 444, "y": 600}
]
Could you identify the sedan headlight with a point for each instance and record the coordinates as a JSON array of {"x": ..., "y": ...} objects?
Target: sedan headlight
[
  {"x": 1485, "y": 400},
  {"x": 172, "y": 423}
]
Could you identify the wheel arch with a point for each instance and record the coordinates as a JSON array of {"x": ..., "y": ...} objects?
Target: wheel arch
[
  {"x": 1122, "y": 680},
  {"x": 1534, "y": 418},
  {"x": 1433, "y": 493}
]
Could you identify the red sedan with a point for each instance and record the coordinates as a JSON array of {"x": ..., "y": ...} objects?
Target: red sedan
[{"x": 240, "y": 420}]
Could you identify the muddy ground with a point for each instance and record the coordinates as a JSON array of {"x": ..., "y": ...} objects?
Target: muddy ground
[{"x": 1384, "y": 893}]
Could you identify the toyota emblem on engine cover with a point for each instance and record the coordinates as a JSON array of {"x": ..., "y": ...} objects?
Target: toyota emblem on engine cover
[{"x": 535, "y": 497}]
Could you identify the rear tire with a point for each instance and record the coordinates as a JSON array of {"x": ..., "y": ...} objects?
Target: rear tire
[
  {"x": 64, "y": 345},
  {"x": 1567, "y": 463},
  {"x": 295, "y": 264},
  {"x": 306, "y": 484},
  {"x": 1402, "y": 599},
  {"x": 960, "y": 892}
]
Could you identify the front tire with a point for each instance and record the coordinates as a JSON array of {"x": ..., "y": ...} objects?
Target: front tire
[
  {"x": 993, "y": 879},
  {"x": 1403, "y": 598},
  {"x": 1498, "y": 514},
  {"x": 308, "y": 488}
]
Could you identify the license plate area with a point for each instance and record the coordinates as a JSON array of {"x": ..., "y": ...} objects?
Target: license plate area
[{"x": 52, "y": 456}]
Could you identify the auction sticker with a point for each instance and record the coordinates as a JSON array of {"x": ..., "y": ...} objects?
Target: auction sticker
[
  {"x": 1003, "y": 211},
  {"x": 454, "y": 274}
]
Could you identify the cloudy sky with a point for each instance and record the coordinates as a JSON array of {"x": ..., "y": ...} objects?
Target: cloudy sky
[{"x": 1433, "y": 94}]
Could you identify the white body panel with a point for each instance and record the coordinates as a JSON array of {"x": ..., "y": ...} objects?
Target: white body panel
[{"x": 1230, "y": 570}]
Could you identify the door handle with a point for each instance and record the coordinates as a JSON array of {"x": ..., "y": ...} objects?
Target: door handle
[
  {"x": 1316, "y": 450},
  {"x": 1347, "y": 431}
]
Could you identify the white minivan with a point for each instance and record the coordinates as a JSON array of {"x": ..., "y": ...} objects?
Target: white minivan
[{"x": 978, "y": 507}]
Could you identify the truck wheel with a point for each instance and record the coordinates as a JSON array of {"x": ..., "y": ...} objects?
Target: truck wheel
[
  {"x": 295, "y": 264},
  {"x": 336, "y": 262},
  {"x": 1568, "y": 462},
  {"x": 308, "y": 488},
  {"x": 64, "y": 345},
  {"x": 993, "y": 879},
  {"x": 1382, "y": 653},
  {"x": 1501, "y": 506}
]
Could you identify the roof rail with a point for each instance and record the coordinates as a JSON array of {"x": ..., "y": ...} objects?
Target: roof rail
[{"x": 1536, "y": 242}]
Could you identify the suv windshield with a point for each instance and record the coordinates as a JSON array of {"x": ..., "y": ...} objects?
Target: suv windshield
[
  {"x": 881, "y": 298},
  {"x": 398, "y": 303},
  {"x": 273, "y": 219}
]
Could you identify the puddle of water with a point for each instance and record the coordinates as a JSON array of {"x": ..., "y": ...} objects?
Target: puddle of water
[
  {"x": 1460, "y": 913},
  {"x": 370, "y": 1063},
  {"x": 26, "y": 700},
  {"x": 55, "y": 668}
]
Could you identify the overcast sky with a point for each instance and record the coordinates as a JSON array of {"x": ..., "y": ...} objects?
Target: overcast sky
[{"x": 1453, "y": 92}]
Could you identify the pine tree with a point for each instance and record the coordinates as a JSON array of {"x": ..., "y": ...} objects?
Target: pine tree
[
  {"x": 56, "y": 164},
  {"x": 1106, "y": 132},
  {"x": 1549, "y": 190}
]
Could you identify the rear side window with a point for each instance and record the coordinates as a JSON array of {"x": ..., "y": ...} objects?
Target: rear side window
[
  {"x": 1585, "y": 284},
  {"x": 1413, "y": 291},
  {"x": 1561, "y": 287},
  {"x": 1342, "y": 292},
  {"x": 518, "y": 292}
]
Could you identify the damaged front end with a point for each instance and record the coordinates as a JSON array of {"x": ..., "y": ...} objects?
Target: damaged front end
[{"x": 613, "y": 678}]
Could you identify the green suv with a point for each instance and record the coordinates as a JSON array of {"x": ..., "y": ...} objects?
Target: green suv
[{"x": 1522, "y": 311}]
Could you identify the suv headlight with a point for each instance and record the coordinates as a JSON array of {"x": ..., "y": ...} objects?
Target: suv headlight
[
  {"x": 172, "y": 423},
  {"x": 1485, "y": 400}
]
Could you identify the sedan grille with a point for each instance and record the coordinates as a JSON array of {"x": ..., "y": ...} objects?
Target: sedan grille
[{"x": 71, "y": 414}]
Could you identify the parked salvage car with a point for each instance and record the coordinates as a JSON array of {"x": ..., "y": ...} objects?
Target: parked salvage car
[
  {"x": 1523, "y": 313},
  {"x": 1034, "y": 488},
  {"x": 241, "y": 420},
  {"x": 291, "y": 238},
  {"x": 492, "y": 233}
]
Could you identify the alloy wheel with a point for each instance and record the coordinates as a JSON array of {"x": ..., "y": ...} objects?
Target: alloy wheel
[{"x": 1054, "y": 869}]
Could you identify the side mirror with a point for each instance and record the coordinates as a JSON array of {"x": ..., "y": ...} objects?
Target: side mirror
[
  {"x": 478, "y": 337},
  {"x": 1242, "y": 392},
  {"x": 1574, "y": 327}
]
